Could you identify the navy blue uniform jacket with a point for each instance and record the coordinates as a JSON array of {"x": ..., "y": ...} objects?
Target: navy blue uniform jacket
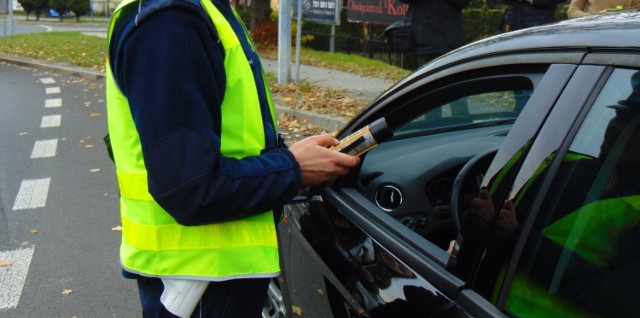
[{"x": 170, "y": 68}]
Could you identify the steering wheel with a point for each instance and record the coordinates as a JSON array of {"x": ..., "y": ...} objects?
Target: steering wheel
[{"x": 469, "y": 177}]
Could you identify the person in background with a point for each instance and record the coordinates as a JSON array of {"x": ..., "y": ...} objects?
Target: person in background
[
  {"x": 581, "y": 8},
  {"x": 522, "y": 14},
  {"x": 437, "y": 26},
  {"x": 201, "y": 169}
]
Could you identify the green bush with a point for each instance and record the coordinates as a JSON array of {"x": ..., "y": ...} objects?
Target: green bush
[{"x": 480, "y": 23}]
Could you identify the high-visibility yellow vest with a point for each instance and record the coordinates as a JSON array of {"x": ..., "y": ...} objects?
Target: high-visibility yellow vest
[{"x": 153, "y": 243}]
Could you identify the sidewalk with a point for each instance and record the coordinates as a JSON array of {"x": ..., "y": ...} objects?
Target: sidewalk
[{"x": 354, "y": 85}]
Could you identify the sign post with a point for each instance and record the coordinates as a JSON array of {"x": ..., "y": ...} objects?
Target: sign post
[
  {"x": 284, "y": 42},
  {"x": 318, "y": 11},
  {"x": 3, "y": 6}
]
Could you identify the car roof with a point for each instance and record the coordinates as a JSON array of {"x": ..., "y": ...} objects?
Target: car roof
[
  {"x": 572, "y": 38},
  {"x": 620, "y": 30}
]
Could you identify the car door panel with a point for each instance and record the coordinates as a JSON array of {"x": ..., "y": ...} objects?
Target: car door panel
[
  {"x": 581, "y": 126},
  {"x": 488, "y": 274},
  {"x": 370, "y": 278}
]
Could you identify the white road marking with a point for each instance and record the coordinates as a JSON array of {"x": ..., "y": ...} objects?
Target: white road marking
[
  {"x": 46, "y": 27},
  {"x": 13, "y": 277},
  {"x": 44, "y": 148},
  {"x": 47, "y": 80},
  {"x": 32, "y": 194},
  {"x": 50, "y": 121},
  {"x": 52, "y": 90},
  {"x": 50, "y": 103}
]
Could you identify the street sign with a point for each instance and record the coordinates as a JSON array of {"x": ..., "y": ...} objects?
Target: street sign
[{"x": 319, "y": 11}]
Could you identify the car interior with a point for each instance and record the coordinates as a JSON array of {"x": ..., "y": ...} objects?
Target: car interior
[{"x": 411, "y": 176}]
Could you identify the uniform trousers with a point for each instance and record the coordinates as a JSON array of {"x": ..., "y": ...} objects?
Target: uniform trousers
[{"x": 226, "y": 299}]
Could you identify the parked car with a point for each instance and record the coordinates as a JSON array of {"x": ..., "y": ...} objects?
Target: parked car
[{"x": 510, "y": 187}]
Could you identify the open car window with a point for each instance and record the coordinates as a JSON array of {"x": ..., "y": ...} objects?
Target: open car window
[
  {"x": 482, "y": 109},
  {"x": 436, "y": 131}
]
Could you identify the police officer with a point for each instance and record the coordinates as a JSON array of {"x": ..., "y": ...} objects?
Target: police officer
[{"x": 198, "y": 162}]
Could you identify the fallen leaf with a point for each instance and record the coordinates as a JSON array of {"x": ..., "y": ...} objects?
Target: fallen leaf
[
  {"x": 5, "y": 263},
  {"x": 33, "y": 231},
  {"x": 116, "y": 228},
  {"x": 320, "y": 291},
  {"x": 95, "y": 114},
  {"x": 297, "y": 310},
  {"x": 88, "y": 146},
  {"x": 24, "y": 133},
  {"x": 95, "y": 170},
  {"x": 67, "y": 292},
  {"x": 25, "y": 243}
]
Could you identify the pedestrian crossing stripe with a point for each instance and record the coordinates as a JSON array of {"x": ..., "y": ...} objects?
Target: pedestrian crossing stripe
[
  {"x": 51, "y": 121},
  {"x": 44, "y": 148},
  {"x": 32, "y": 194},
  {"x": 52, "y": 90},
  {"x": 13, "y": 275},
  {"x": 47, "y": 80},
  {"x": 50, "y": 103}
]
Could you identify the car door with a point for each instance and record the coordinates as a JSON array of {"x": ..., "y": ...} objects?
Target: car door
[
  {"x": 575, "y": 195},
  {"x": 347, "y": 255}
]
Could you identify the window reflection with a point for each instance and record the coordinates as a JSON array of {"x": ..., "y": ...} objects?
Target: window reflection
[{"x": 581, "y": 259}]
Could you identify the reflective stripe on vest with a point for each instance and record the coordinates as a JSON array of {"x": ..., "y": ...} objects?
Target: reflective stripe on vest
[
  {"x": 594, "y": 230},
  {"x": 153, "y": 243}
]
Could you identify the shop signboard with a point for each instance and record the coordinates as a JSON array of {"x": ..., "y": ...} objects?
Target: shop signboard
[{"x": 376, "y": 11}]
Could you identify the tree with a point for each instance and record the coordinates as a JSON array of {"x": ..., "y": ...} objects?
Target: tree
[
  {"x": 36, "y": 6},
  {"x": 259, "y": 14},
  {"x": 61, "y": 6},
  {"x": 79, "y": 8}
]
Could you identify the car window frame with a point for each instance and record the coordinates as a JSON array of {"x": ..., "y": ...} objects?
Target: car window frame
[
  {"x": 623, "y": 59},
  {"x": 583, "y": 124},
  {"x": 564, "y": 128},
  {"x": 437, "y": 72}
]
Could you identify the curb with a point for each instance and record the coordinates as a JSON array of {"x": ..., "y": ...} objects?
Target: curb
[
  {"x": 65, "y": 69},
  {"x": 327, "y": 122}
]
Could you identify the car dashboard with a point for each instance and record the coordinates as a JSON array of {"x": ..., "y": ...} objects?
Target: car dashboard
[{"x": 411, "y": 179}]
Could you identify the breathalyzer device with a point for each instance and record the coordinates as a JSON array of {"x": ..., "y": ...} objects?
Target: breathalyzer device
[{"x": 365, "y": 139}]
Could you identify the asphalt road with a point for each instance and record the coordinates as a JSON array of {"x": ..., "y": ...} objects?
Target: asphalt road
[
  {"x": 58, "y": 200},
  {"x": 20, "y": 25}
]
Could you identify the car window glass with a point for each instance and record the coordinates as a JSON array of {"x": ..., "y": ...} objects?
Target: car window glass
[
  {"x": 493, "y": 107},
  {"x": 581, "y": 258}
]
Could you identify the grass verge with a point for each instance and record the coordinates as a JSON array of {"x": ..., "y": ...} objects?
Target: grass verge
[
  {"x": 89, "y": 51},
  {"x": 70, "y": 48}
]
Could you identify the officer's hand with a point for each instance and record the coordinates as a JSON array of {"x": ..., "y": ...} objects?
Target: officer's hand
[{"x": 318, "y": 163}]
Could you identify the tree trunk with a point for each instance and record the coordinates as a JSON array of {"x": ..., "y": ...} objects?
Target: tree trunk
[{"x": 260, "y": 11}]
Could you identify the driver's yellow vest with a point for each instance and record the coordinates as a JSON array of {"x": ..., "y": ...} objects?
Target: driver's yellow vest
[{"x": 153, "y": 243}]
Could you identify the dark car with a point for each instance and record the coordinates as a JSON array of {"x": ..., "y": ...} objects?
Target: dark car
[{"x": 510, "y": 187}]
